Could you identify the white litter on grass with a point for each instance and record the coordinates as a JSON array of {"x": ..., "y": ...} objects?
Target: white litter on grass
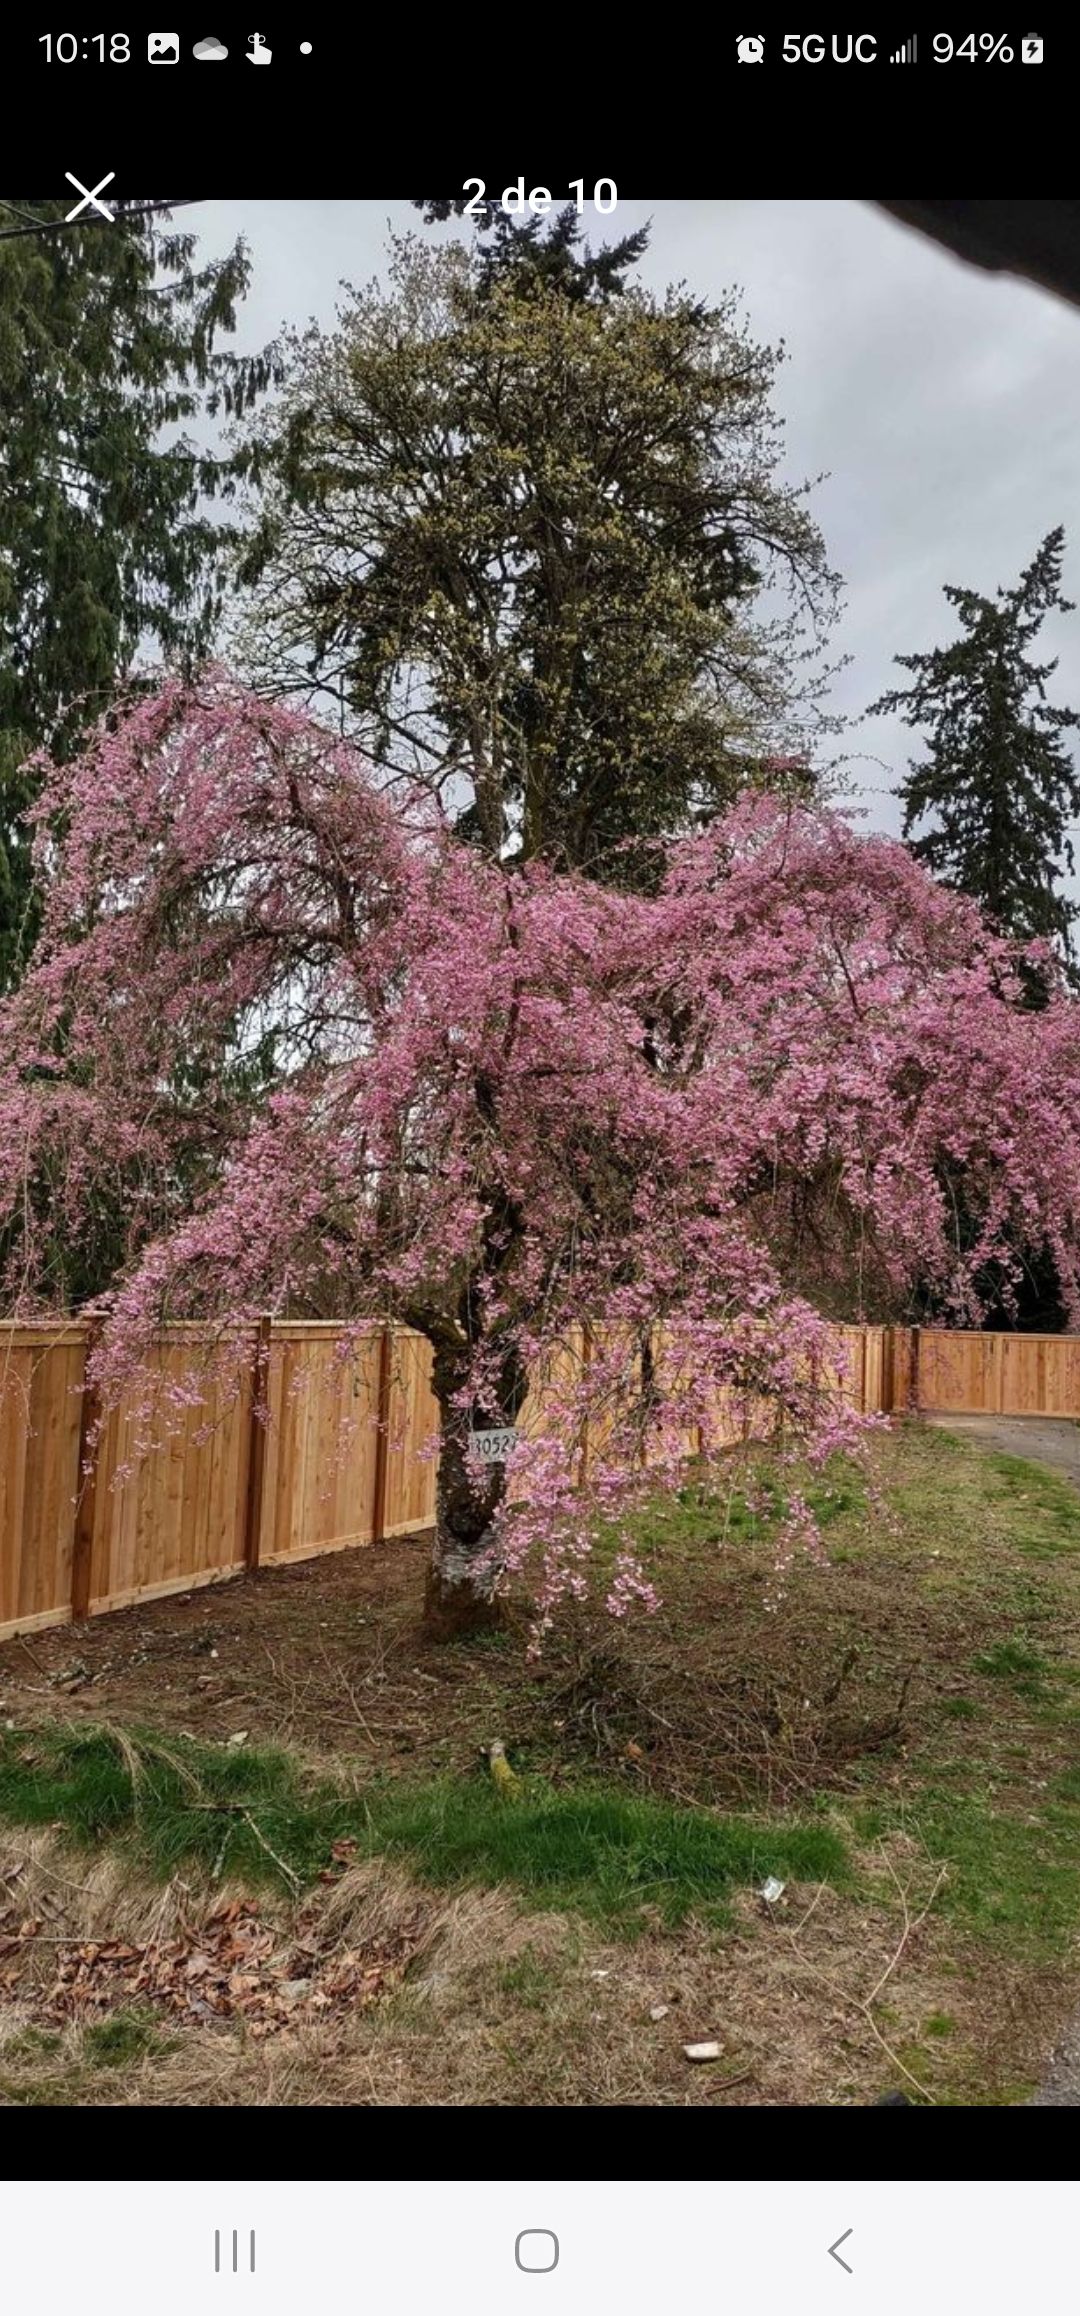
[
  {"x": 659, "y": 2010},
  {"x": 772, "y": 1890},
  {"x": 701, "y": 2051}
]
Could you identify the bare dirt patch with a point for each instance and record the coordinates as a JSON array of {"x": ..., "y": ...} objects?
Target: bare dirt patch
[{"x": 721, "y": 1698}]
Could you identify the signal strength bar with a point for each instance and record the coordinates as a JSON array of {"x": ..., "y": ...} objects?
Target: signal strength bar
[{"x": 906, "y": 54}]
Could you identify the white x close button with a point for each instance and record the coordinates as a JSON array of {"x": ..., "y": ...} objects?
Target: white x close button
[{"x": 90, "y": 200}]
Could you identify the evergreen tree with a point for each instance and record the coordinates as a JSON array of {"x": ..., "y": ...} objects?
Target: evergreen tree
[
  {"x": 998, "y": 781},
  {"x": 543, "y": 252},
  {"x": 522, "y": 540},
  {"x": 109, "y": 349}
]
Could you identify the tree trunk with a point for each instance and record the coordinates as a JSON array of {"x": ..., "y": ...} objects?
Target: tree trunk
[{"x": 462, "y": 1594}]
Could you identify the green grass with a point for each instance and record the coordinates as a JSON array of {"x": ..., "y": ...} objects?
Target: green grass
[
  {"x": 989, "y": 1790},
  {"x": 33, "y": 2043},
  {"x": 985, "y": 1790},
  {"x": 1013, "y": 1880},
  {"x": 617, "y": 1858},
  {"x": 939, "y": 2025},
  {"x": 1002, "y": 1814},
  {"x": 1046, "y": 1507},
  {"x": 699, "y": 1512},
  {"x": 1016, "y": 1661},
  {"x": 41, "y": 2068},
  {"x": 608, "y": 1854},
  {"x": 529, "y": 1979},
  {"x": 117, "y": 2041}
]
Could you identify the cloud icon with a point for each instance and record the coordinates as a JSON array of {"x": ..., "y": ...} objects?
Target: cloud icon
[{"x": 210, "y": 51}]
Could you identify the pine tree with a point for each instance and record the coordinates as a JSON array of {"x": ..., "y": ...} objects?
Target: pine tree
[
  {"x": 998, "y": 781},
  {"x": 109, "y": 350},
  {"x": 537, "y": 252}
]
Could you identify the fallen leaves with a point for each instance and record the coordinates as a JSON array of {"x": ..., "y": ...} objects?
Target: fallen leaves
[
  {"x": 231, "y": 1966},
  {"x": 343, "y": 1853}
]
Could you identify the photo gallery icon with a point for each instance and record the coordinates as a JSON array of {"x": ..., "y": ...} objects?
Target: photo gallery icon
[{"x": 163, "y": 47}]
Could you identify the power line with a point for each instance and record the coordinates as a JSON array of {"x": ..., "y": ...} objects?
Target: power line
[{"x": 60, "y": 224}]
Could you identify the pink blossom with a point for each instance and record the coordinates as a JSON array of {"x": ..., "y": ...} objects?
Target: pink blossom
[{"x": 502, "y": 1107}]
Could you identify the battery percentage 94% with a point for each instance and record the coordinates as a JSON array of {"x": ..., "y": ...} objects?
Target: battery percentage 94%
[{"x": 974, "y": 48}]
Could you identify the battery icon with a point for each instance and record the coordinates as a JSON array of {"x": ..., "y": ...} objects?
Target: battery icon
[{"x": 1031, "y": 48}]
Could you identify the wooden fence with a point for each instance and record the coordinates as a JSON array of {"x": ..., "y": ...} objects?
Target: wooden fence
[{"x": 188, "y": 1488}]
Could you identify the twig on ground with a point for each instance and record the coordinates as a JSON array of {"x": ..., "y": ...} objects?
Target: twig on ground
[
  {"x": 341, "y": 1678},
  {"x": 800, "y": 1926},
  {"x": 727, "y": 2081},
  {"x": 10, "y": 1943},
  {"x": 909, "y": 1925},
  {"x": 863, "y": 2003},
  {"x": 237, "y": 1809},
  {"x": 291, "y": 1877}
]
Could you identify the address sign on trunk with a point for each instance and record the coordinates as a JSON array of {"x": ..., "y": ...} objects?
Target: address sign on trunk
[{"x": 493, "y": 1447}]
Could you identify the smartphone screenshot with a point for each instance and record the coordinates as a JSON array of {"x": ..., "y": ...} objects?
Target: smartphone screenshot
[{"x": 539, "y": 1154}]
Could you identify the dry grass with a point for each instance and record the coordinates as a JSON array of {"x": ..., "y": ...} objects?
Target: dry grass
[
  {"x": 922, "y": 1688},
  {"x": 500, "y": 2005}
]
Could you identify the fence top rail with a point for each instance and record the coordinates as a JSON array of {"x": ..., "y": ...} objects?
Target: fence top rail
[
  {"x": 30, "y": 1331},
  {"x": 23, "y": 1334},
  {"x": 41, "y": 1334},
  {"x": 990, "y": 1335},
  {"x": 334, "y": 1330}
]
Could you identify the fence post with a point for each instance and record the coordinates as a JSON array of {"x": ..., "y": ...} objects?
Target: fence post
[
  {"x": 82, "y": 1548},
  {"x": 997, "y": 1368},
  {"x": 256, "y": 1471},
  {"x": 888, "y": 1371},
  {"x": 382, "y": 1438},
  {"x": 913, "y": 1372}
]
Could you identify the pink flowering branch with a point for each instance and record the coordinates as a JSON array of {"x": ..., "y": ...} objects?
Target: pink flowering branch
[{"x": 286, "y": 1045}]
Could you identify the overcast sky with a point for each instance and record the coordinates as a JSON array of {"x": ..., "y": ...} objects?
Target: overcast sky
[{"x": 941, "y": 402}]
